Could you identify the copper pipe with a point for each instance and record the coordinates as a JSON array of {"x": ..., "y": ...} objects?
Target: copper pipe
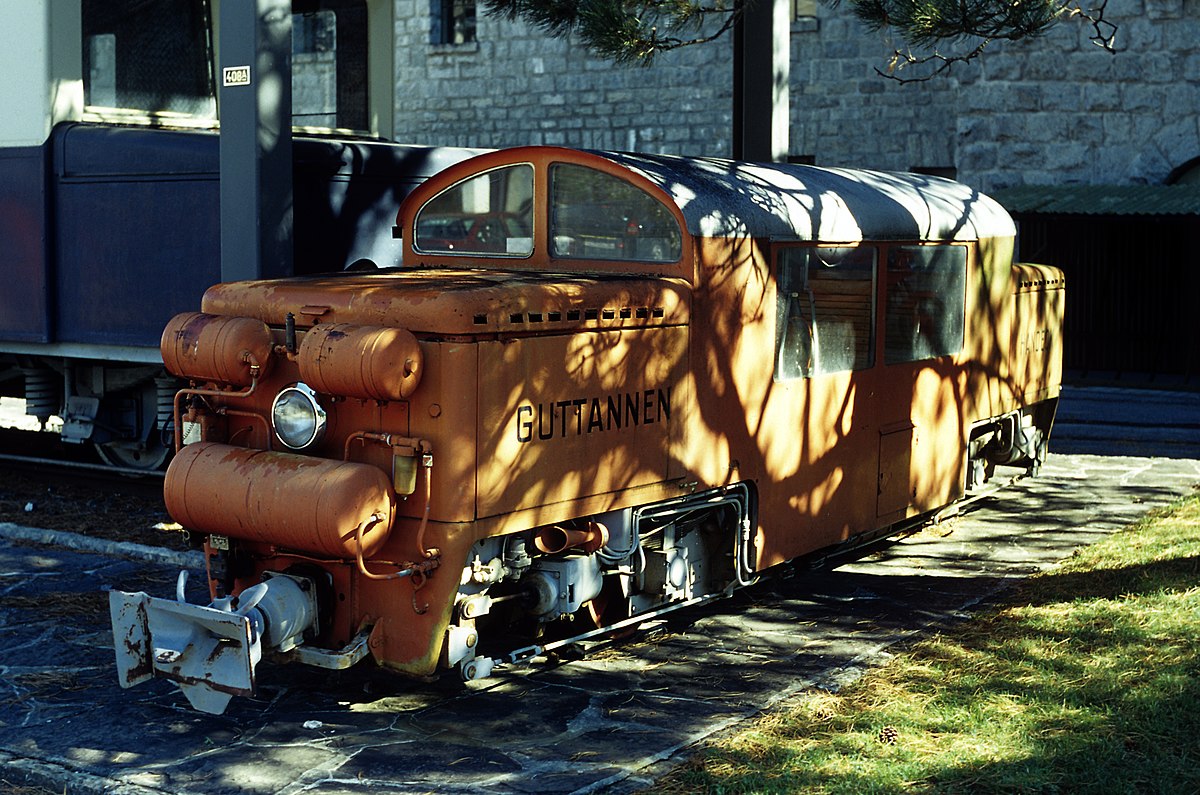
[
  {"x": 421, "y": 446},
  {"x": 362, "y": 436},
  {"x": 414, "y": 570},
  {"x": 193, "y": 392},
  {"x": 432, "y": 552},
  {"x": 417, "y": 445},
  {"x": 358, "y": 554}
]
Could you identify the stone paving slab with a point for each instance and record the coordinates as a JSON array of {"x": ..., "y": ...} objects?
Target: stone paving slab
[{"x": 609, "y": 722}]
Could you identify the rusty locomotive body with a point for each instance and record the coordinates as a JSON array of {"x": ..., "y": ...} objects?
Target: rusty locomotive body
[{"x": 598, "y": 387}]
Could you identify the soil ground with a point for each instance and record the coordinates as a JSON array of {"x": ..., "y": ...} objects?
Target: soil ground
[{"x": 108, "y": 507}]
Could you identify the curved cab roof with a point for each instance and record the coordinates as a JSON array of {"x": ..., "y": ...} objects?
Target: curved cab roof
[{"x": 726, "y": 198}]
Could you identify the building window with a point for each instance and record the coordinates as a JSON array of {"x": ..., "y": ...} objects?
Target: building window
[{"x": 453, "y": 21}]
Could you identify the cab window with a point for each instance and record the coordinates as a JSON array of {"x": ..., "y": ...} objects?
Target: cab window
[
  {"x": 825, "y": 318},
  {"x": 594, "y": 215},
  {"x": 489, "y": 214},
  {"x": 926, "y": 289}
]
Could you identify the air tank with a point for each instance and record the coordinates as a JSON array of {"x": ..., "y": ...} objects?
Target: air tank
[
  {"x": 312, "y": 505},
  {"x": 360, "y": 361},
  {"x": 214, "y": 348}
]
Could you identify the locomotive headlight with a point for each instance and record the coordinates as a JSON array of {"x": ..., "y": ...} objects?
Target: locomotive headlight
[{"x": 298, "y": 419}]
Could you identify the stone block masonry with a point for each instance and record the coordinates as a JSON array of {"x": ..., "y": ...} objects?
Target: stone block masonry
[{"x": 1056, "y": 109}]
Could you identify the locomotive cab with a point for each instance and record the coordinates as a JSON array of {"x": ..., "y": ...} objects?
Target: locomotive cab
[{"x": 597, "y": 387}]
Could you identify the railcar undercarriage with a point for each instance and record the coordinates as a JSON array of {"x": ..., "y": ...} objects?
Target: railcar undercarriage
[
  {"x": 524, "y": 594},
  {"x": 520, "y": 595}
]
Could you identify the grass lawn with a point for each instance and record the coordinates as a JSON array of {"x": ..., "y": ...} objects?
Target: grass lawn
[{"x": 1084, "y": 679}]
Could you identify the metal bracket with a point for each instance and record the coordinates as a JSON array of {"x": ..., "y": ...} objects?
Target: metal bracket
[{"x": 81, "y": 418}]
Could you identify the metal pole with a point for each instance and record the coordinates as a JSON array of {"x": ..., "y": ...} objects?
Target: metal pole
[
  {"x": 761, "y": 74},
  {"x": 255, "y": 92}
]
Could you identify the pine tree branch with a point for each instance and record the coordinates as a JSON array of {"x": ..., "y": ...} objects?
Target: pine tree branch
[{"x": 636, "y": 31}]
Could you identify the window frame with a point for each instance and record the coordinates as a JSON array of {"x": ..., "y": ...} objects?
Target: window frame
[
  {"x": 888, "y": 351},
  {"x": 812, "y": 320},
  {"x": 554, "y": 231},
  {"x": 532, "y": 216}
]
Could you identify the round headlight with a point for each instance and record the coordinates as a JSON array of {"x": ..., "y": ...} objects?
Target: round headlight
[{"x": 298, "y": 419}]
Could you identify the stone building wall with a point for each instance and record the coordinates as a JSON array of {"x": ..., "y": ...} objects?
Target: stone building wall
[
  {"x": 1057, "y": 110},
  {"x": 516, "y": 86},
  {"x": 1062, "y": 111}
]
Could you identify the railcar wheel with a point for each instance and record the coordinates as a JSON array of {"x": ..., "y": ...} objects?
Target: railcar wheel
[{"x": 149, "y": 456}]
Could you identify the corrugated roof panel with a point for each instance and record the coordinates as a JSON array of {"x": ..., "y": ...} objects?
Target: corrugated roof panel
[{"x": 1101, "y": 199}]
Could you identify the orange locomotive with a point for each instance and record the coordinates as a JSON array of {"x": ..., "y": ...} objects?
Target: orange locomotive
[{"x": 598, "y": 387}]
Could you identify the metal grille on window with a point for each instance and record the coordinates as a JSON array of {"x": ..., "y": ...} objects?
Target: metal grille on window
[{"x": 148, "y": 56}]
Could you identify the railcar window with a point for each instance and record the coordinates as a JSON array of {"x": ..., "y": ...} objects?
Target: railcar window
[
  {"x": 157, "y": 57},
  {"x": 825, "y": 316},
  {"x": 489, "y": 214},
  {"x": 926, "y": 288},
  {"x": 594, "y": 215},
  {"x": 329, "y": 64},
  {"x": 148, "y": 56}
]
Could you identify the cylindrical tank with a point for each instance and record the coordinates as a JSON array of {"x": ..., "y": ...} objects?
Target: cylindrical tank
[
  {"x": 215, "y": 348},
  {"x": 360, "y": 361},
  {"x": 308, "y": 504}
]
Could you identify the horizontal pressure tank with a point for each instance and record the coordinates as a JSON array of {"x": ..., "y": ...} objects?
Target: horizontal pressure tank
[
  {"x": 207, "y": 347},
  {"x": 309, "y": 504},
  {"x": 360, "y": 361}
]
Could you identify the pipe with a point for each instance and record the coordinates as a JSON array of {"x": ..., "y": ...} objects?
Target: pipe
[
  {"x": 255, "y": 368},
  {"x": 425, "y": 449},
  {"x": 252, "y": 416},
  {"x": 408, "y": 570},
  {"x": 553, "y": 540}
]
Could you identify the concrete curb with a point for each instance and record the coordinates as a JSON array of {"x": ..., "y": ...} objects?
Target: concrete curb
[
  {"x": 100, "y": 546},
  {"x": 58, "y": 777}
]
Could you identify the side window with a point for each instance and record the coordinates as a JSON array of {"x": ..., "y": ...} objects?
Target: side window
[
  {"x": 148, "y": 56},
  {"x": 925, "y": 302},
  {"x": 491, "y": 213},
  {"x": 329, "y": 65},
  {"x": 594, "y": 215},
  {"x": 825, "y": 311}
]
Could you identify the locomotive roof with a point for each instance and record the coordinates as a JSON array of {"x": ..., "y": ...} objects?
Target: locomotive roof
[{"x": 724, "y": 198}]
